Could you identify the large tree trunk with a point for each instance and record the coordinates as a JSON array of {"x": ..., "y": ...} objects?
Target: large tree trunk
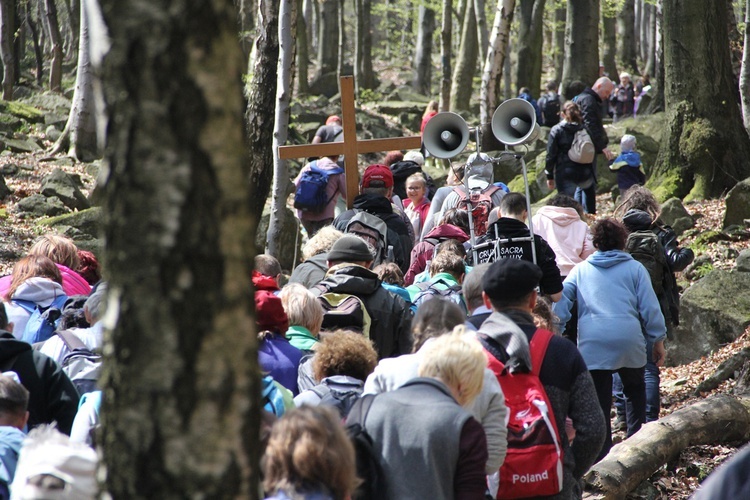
[
  {"x": 423, "y": 54},
  {"x": 581, "y": 44},
  {"x": 558, "y": 51},
  {"x": 262, "y": 104},
  {"x": 626, "y": 46},
  {"x": 73, "y": 8},
  {"x": 281, "y": 183},
  {"x": 650, "y": 40},
  {"x": 745, "y": 72},
  {"x": 55, "y": 65},
  {"x": 33, "y": 28},
  {"x": 719, "y": 419},
  {"x": 446, "y": 39},
  {"x": 483, "y": 36},
  {"x": 181, "y": 388},
  {"x": 492, "y": 74},
  {"x": 609, "y": 41},
  {"x": 80, "y": 130},
  {"x": 369, "y": 81},
  {"x": 704, "y": 150},
  {"x": 342, "y": 44},
  {"x": 529, "y": 45},
  {"x": 466, "y": 63},
  {"x": 735, "y": 41},
  {"x": 6, "y": 48},
  {"x": 328, "y": 36},
  {"x": 303, "y": 52}
]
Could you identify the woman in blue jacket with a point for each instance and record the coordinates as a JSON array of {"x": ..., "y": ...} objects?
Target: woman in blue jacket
[{"x": 618, "y": 320}]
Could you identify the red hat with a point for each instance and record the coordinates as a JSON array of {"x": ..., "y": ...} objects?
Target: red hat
[
  {"x": 377, "y": 172},
  {"x": 269, "y": 313},
  {"x": 332, "y": 118}
]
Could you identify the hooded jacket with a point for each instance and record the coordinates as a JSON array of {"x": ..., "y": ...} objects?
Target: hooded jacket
[
  {"x": 617, "y": 310},
  {"x": 677, "y": 258},
  {"x": 629, "y": 170},
  {"x": 558, "y": 164},
  {"x": 390, "y": 316},
  {"x": 311, "y": 271},
  {"x": 52, "y": 396},
  {"x": 401, "y": 170},
  {"x": 40, "y": 291},
  {"x": 566, "y": 234},
  {"x": 422, "y": 252},
  {"x": 593, "y": 113}
]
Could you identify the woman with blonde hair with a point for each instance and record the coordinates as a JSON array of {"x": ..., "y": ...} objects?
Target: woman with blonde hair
[
  {"x": 305, "y": 316},
  {"x": 36, "y": 282},
  {"x": 309, "y": 455},
  {"x": 64, "y": 253},
  {"x": 313, "y": 268}
]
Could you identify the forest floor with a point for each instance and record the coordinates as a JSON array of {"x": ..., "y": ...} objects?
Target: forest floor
[{"x": 676, "y": 480}]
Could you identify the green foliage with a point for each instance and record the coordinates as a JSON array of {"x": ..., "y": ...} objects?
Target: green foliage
[
  {"x": 370, "y": 95},
  {"x": 703, "y": 270}
]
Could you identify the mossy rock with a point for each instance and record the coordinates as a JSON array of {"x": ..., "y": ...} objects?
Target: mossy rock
[
  {"x": 738, "y": 204},
  {"x": 406, "y": 93},
  {"x": 50, "y": 101},
  {"x": 24, "y": 111},
  {"x": 395, "y": 108},
  {"x": 87, "y": 222},
  {"x": 9, "y": 123}
]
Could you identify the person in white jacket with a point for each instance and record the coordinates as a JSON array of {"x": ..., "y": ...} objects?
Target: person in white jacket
[{"x": 561, "y": 224}]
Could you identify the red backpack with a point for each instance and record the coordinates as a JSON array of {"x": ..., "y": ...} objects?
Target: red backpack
[
  {"x": 534, "y": 462},
  {"x": 480, "y": 204}
]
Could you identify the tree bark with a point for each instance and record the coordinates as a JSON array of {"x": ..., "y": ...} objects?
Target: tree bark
[
  {"x": 466, "y": 61},
  {"x": 705, "y": 150},
  {"x": 181, "y": 387},
  {"x": 341, "y": 45},
  {"x": 446, "y": 39},
  {"x": 718, "y": 419},
  {"x": 483, "y": 37},
  {"x": 246, "y": 23},
  {"x": 6, "y": 48},
  {"x": 80, "y": 130},
  {"x": 281, "y": 177},
  {"x": 529, "y": 45},
  {"x": 328, "y": 36},
  {"x": 74, "y": 10},
  {"x": 650, "y": 39},
  {"x": 55, "y": 71},
  {"x": 369, "y": 81},
  {"x": 558, "y": 53},
  {"x": 626, "y": 47},
  {"x": 735, "y": 41},
  {"x": 581, "y": 44},
  {"x": 38, "y": 59},
  {"x": 423, "y": 54},
  {"x": 262, "y": 104},
  {"x": 745, "y": 72},
  {"x": 303, "y": 53},
  {"x": 609, "y": 40}
]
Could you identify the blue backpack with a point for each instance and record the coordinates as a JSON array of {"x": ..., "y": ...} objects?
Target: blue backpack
[
  {"x": 43, "y": 320},
  {"x": 310, "y": 195}
]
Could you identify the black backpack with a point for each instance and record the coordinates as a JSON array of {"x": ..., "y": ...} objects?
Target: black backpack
[
  {"x": 369, "y": 470},
  {"x": 646, "y": 248},
  {"x": 343, "y": 401},
  {"x": 550, "y": 106}
]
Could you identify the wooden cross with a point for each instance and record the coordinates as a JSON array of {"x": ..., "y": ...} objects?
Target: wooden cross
[{"x": 350, "y": 147}]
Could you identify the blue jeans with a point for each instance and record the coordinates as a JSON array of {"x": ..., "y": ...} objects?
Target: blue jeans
[
  {"x": 652, "y": 379},
  {"x": 587, "y": 198},
  {"x": 634, "y": 388}
]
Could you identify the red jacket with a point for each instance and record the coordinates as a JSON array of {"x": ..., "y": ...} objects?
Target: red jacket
[{"x": 422, "y": 252}]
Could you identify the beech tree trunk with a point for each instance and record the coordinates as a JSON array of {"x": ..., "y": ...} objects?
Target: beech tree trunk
[
  {"x": 529, "y": 45},
  {"x": 369, "y": 81},
  {"x": 745, "y": 72},
  {"x": 466, "y": 61},
  {"x": 581, "y": 44},
  {"x": 558, "y": 51},
  {"x": 262, "y": 104},
  {"x": 657, "y": 79},
  {"x": 483, "y": 36},
  {"x": 6, "y": 48},
  {"x": 181, "y": 386},
  {"x": 704, "y": 150},
  {"x": 626, "y": 46},
  {"x": 303, "y": 52},
  {"x": 34, "y": 30},
  {"x": 446, "y": 39},
  {"x": 55, "y": 65},
  {"x": 281, "y": 184},
  {"x": 609, "y": 41},
  {"x": 718, "y": 419},
  {"x": 328, "y": 36},
  {"x": 650, "y": 40},
  {"x": 423, "y": 54}
]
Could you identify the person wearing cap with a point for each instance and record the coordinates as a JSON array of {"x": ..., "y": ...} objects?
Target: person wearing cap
[
  {"x": 332, "y": 131},
  {"x": 618, "y": 317},
  {"x": 628, "y": 165},
  {"x": 510, "y": 225},
  {"x": 276, "y": 355},
  {"x": 374, "y": 197},
  {"x": 510, "y": 291},
  {"x": 623, "y": 98},
  {"x": 349, "y": 262}
]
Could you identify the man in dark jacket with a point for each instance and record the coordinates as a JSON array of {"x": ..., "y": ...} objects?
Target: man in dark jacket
[
  {"x": 349, "y": 262},
  {"x": 592, "y": 101},
  {"x": 498, "y": 244},
  {"x": 510, "y": 290},
  {"x": 375, "y": 195},
  {"x": 52, "y": 396}
]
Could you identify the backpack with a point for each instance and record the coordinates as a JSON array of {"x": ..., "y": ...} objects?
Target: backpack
[
  {"x": 550, "y": 106},
  {"x": 43, "y": 320},
  {"x": 369, "y": 470},
  {"x": 582, "y": 150},
  {"x": 343, "y": 401},
  {"x": 428, "y": 290},
  {"x": 273, "y": 396},
  {"x": 344, "y": 311},
  {"x": 534, "y": 461},
  {"x": 310, "y": 195},
  {"x": 646, "y": 248},
  {"x": 82, "y": 365},
  {"x": 481, "y": 205},
  {"x": 371, "y": 228}
]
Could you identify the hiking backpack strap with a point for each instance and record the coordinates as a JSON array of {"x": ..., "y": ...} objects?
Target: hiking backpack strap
[
  {"x": 361, "y": 409},
  {"x": 71, "y": 341},
  {"x": 27, "y": 305},
  {"x": 538, "y": 347}
]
